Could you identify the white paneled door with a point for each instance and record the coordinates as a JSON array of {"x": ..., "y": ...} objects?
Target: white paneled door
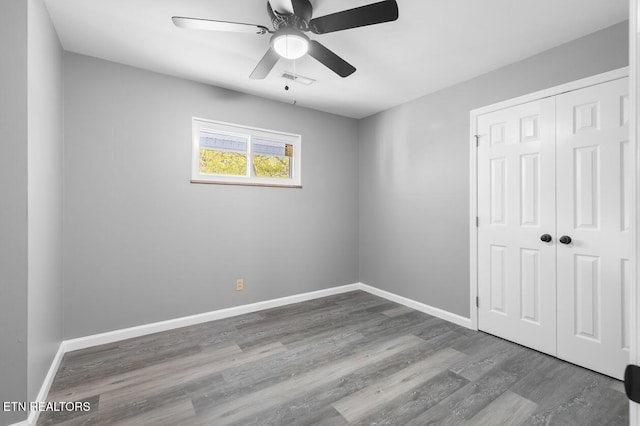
[
  {"x": 555, "y": 211},
  {"x": 595, "y": 209},
  {"x": 516, "y": 207}
]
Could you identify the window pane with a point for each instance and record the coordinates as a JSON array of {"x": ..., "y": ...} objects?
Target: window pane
[
  {"x": 271, "y": 158},
  {"x": 223, "y": 162},
  {"x": 271, "y": 166},
  {"x": 223, "y": 154}
]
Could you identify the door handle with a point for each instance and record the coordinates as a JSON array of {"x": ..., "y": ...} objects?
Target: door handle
[
  {"x": 565, "y": 239},
  {"x": 545, "y": 238}
]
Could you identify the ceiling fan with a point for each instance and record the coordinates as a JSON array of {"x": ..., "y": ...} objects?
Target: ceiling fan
[{"x": 291, "y": 19}]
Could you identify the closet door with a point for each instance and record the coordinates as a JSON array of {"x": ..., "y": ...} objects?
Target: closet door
[
  {"x": 594, "y": 199},
  {"x": 516, "y": 207}
]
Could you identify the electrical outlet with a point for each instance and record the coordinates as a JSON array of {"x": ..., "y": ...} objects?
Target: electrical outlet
[{"x": 239, "y": 284}]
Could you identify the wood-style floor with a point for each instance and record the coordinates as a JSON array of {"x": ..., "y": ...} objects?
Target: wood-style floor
[{"x": 347, "y": 359}]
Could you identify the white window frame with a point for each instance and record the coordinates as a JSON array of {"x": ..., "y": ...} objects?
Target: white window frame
[{"x": 201, "y": 124}]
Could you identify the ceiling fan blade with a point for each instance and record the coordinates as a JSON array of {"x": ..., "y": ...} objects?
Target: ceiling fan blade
[
  {"x": 302, "y": 9},
  {"x": 282, "y": 6},
  {"x": 211, "y": 25},
  {"x": 376, "y": 13},
  {"x": 265, "y": 65},
  {"x": 329, "y": 59}
]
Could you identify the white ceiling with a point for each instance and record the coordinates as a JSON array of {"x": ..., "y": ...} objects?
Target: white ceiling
[{"x": 434, "y": 44}]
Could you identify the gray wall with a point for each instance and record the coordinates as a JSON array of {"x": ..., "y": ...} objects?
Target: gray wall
[
  {"x": 142, "y": 244},
  {"x": 414, "y": 171},
  {"x": 13, "y": 205},
  {"x": 44, "y": 195}
]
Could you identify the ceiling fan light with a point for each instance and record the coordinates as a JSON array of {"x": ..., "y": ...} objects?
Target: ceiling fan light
[{"x": 290, "y": 45}]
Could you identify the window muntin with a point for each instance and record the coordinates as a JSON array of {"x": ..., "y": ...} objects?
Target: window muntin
[{"x": 233, "y": 154}]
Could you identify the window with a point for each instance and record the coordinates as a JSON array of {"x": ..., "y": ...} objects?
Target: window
[{"x": 232, "y": 154}]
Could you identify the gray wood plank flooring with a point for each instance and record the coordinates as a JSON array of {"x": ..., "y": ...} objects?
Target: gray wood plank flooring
[{"x": 348, "y": 359}]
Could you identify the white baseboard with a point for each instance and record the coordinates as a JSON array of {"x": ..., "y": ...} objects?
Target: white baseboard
[
  {"x": 142, "y": 330},
  {"x": 32, "y": 419},
  {"x": 46, "y": 385},
  {"x": 418, "y": 306}
]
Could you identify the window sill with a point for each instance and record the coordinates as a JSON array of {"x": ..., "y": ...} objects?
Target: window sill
[{"x": 273, "y": 185}]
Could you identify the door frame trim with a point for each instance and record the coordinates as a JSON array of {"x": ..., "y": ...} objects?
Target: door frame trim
[
  {"x": 634, "y": 137},
  {"x": 473, "y": 167}
]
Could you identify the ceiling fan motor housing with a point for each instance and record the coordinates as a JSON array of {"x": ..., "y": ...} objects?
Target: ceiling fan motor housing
[{"x": 299, "y": 20}]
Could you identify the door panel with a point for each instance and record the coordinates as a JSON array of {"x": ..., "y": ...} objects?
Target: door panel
[
  {"x": 594, "y": 178},
  {"x": 529, "y": 189},
  {"x": 497, "y": 191},
  {"x": 516, "y": 205},
  {"x": 530, "y": 285}
]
